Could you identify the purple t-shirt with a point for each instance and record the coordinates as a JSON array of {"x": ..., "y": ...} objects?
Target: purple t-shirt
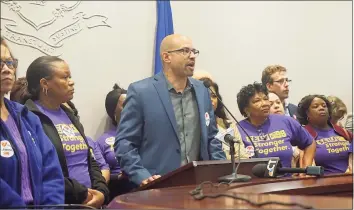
[
  {"x": 275, "y": 138},
  {"x": 97, "y": 155},
  {"x": 74, "y": 145},
  {"x": 105, "y": 143},
  {"x": 26, "y": 187},
  {"x": 332, "y": 151}
]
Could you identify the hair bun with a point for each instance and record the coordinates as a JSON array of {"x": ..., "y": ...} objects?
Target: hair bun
[{"x": 116, "y": 86}]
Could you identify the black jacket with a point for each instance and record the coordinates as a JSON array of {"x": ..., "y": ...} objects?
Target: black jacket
[
  {"x": 292, "y": 110},
  {"x": 75, "y": 193}
]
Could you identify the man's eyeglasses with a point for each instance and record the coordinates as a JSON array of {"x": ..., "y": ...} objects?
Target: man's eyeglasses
[
  {"x": 282, "y": 81},
  {"x": 186, "y": 51},
  {"x": 11, "y": 64}
]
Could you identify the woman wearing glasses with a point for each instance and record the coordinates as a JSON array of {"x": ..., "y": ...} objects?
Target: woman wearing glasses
[
  {"x": 30, "y": 172},
  {"x": 273, "y": 135},
  {"x": 50, "y": 86}
]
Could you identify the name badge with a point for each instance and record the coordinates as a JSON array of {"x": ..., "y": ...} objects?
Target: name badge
[
  {"x": 250, "y": 151},
  {"x": 6, "y": 149}
]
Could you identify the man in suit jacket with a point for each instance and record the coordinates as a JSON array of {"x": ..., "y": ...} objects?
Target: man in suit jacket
[
  {"x": 275, "y": 79},
  {"x": 168, "y": 119}
]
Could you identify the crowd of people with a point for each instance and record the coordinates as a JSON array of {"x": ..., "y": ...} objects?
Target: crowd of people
[{"x": 157, "y": 125}]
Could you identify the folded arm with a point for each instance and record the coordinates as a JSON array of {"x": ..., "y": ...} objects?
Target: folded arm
[
  {"x": 309, "y": 154},
  {"x": 9, "y": 198},
  {"x": 98, "y": 181},
  {"x": 305, "y": 142}
]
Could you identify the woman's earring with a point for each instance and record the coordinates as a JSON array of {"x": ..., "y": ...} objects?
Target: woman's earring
[{"x": 45, "y": 91}]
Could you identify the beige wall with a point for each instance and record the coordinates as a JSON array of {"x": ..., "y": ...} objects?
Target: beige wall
[{"x": 236, "y": 39}]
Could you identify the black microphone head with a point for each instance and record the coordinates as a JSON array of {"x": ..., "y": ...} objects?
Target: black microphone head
[
  {"x": 259, "y": 170},
  {"x": 315, "y": 170},
  {"x": 206, "y": 83},
  {"x": 228, "y": 138}
]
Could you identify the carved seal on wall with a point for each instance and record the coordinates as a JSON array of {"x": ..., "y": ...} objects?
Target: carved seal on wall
[{"x": 37, "y": 35}]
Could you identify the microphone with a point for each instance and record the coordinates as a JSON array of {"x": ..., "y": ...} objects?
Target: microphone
[
  {"x": 234, "y": 177},
  {"x": 207, "y": 85},
  {"x": 273, "y": 169},
  {"x": 230, "y": 139},
  {"x": 225, "y": 141}
]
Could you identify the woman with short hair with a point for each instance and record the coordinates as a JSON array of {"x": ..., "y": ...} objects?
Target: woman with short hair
[{"x": 272, "y": 134}]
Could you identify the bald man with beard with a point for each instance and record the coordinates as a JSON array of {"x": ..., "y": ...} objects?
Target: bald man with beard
[{"x": 168, "y": 119}]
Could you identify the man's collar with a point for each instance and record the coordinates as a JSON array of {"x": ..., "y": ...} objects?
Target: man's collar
[
  {"x": 170, "y": 86},
  {"x": 286, "y": 104}
]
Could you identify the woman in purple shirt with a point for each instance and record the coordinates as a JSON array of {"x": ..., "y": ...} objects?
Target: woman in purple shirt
[
  {"x": 114, "y": 106},
  {"x": 30, "y": 172},
  {"x": 50, "y": 86},
  {"x": 332, "y": 141},
  {"x": 96, "y": 152},
  {"x": 19, "y": 94},
  {"x": 273, "y": 135}
]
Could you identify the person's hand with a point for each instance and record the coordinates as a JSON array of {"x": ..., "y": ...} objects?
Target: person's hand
[
  {"x": 301, "y": 175},
  {"x": 122, "y": 175},
  {"x": 295, "y": 175},
  {"x": 88, "y": 198},
  {"x": 97, "y": 200},
  {"x": 150, "y": 179}
]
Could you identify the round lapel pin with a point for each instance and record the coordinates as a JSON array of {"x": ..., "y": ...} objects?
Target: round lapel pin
[{"x": 207, "y": 119}]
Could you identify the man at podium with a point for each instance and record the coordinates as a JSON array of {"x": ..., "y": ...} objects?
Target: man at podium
[{"x": 168, "y": 119}]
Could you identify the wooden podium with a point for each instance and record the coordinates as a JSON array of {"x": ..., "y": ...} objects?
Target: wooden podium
[
  {"x": 173, "y": 189},
  {"x": 197, "y": 172},
  {"x": 328, "y": 192}
]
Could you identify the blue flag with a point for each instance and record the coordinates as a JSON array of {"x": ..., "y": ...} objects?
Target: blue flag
[{"x": 164, "y": 28}]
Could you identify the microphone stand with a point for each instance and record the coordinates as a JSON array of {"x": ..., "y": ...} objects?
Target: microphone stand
[
  {"x": 207, "y": 85},
  {"x": 234, "y": 177}
]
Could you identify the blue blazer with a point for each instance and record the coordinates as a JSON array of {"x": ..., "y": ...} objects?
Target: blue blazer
[
  {"x": 147, "y": 141},
  {"x": 46, "y": 177}
]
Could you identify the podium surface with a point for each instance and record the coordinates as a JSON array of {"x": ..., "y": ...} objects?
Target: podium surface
[
  {"x": 199, "y": 171},
  {"x": 328, "y": 192}
]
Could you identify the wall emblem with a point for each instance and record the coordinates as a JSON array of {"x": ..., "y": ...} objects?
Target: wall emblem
[{"x": 47, "y": 36}]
